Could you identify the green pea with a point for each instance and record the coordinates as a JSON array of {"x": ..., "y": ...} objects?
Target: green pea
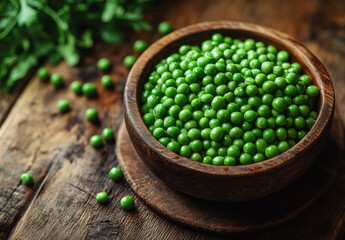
[
  {"x": 103, "y": 64},
  {"x": 229, "y": 161},
  {"x": 249, "y": 136},
  {"x": 127, "y": 203},
  {"x": 267, "y": 98},
  {"x": 309, "y": 122},
  {"x": 293, "y": 110},
  {"x": 139, "y": 46},
  {"x": 89, "y": 90},
  {"x": 190, "y": 124},
  {"x": 207, "y": 160},
  {"x": 63, "y": 105},
  {"x": 173, "y": 131},
  {"x": 102, "y": 197},
  {"x": 107, "y": 82},
  {"x": 250, "y": 115},
  {"x": 205, "y": 133},
  {"x": 129, "y": 61},
  {"x": 267, "y": 67},
  {"x": 210, "y": 69},
  {"x": 56, "y": 80},
  {"x": 108, "y": 134},
  {"x": 290, "y": 90},
  {"x": 300, "y": 135},
  {"x": 27, "y": 179},
  {"x": 180, "y": 99},
  {"x": 236, "y": 132},
  {"x": 291, "y": 78},
  {"x": 283, "y": 146},
  {"x": 223, "y": 115},
  {"x": 196, "y": 157},
  {"x": 236, "y": 118},
  {"x": 185, "y": 151},
  {"x": 279, "y": 104},
  {"x": 269, "y": 135},
  {"x": 283, "y": 56},
  {"x": 312, "y": 91},
  {"x": 218, "y": 160},
  {"x": 174, "y": 146},
  {"x": 216, "y": 134},
  {"x": 92, "y": 115},
  {"x": 96, "y": 141},
  {"x": 299, "y": 122},
  {"x": 185, "y": 115},
  {"x": 164, "y": 28},
  {"x": 245, "y": 159},
  {"x": 258, "y": 157},
  {"x": 115, "y": 173},
  {"x": 269, "y": 86},
  {"x": 218, "y": 103},
  {"x": 76, "y": 87},
  {"x": 195, "y": 145},
  {"x": 272, "y": 151},
  {"x": 43, "y": 74},
  {"x": 281, "y": 133},
  {"x": 159, "y": 110},
  {"x": 249, "y": 148},
  {"x": 194, "y": 133},
  {"x": 261, "y": 145}
]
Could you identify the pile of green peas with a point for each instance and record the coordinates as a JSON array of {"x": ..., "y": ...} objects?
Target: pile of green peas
[{"x": 229, "y": 102}]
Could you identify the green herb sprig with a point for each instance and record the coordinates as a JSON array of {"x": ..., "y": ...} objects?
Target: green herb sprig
[{"x": 34, "y": 30}]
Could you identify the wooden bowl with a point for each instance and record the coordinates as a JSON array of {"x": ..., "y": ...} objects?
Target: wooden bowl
[{"x": 227, "y": 183}]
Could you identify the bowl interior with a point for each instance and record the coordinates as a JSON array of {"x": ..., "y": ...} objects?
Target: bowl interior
[{"x": 196, "y": 35}]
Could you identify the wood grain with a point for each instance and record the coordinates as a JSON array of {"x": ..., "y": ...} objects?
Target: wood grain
[
  {"x": 224, "y": 183},
  {"x": 36, "y": 137},
  {"x": 8, "y": 99},
  {"x": 229, "y": 218},
  {"x": 57, "y": 210}
]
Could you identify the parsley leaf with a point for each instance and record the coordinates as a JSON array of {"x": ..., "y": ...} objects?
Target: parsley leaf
[{"x": 32, "y": 31}]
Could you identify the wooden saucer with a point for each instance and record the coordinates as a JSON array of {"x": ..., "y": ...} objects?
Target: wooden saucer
[{"x": 232, "y": 217}]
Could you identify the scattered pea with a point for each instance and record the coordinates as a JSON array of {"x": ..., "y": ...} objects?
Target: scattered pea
[
  {"x": 139, "y": 46},
  {"x": 63, "y": 105},
  {"x": 102, "y": 197},
  {"x": 27, "y": 179},
  {"x": 107, "y": 82},
  {"x": 129, "y": 61},
  {"x": 43, "y": 74},
  {"x": 103, "y": 64},
  {"x": 108, "y": 134},
  {"x": 91, "y": 115},
  {"x": 56, "y": 80},
  {"x": 164, "y": 28},
  {"x": 89, "y": 90},
  {"x": 96, "y": 141},
  {"x": 115, "y": 173},
  {"x": 76, "y": 87},
  {"x": 127, "y": 203}
]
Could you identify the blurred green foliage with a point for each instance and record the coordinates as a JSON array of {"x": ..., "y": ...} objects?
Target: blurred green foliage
[{"x": 51, "y": 30}]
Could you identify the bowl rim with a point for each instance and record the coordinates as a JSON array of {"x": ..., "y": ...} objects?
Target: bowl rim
[{"x": 318, "y": 74}]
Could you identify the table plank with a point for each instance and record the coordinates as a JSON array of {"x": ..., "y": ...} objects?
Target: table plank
[
  {"x": 68, "y": 172},
  {"x": 35, "y": 136},
  {"x": 8, "y": 99}
]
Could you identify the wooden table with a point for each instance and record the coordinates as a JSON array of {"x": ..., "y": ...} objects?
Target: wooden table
[{"x": 68, "y": 172}]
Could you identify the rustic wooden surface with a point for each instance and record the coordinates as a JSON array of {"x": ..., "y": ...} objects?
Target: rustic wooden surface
[
  {"x": 68, "y": 172},
  {"x": 229, "y": 218},
  {"x": 223, "y": 183}
]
